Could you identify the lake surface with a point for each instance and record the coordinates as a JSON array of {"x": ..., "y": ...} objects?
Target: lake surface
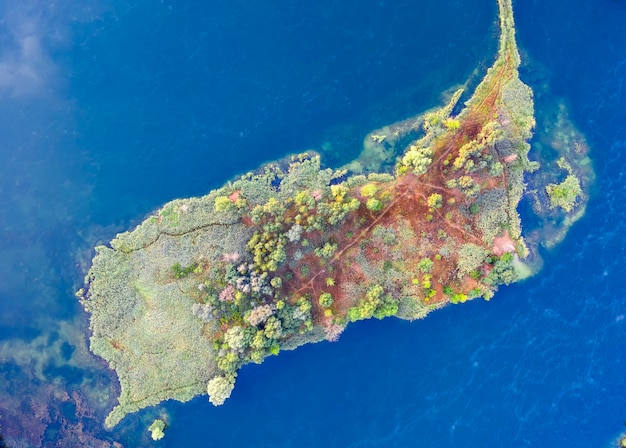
[{"x": 108, "y": 109}]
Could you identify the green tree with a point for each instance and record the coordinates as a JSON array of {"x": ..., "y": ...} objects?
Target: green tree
[
  {"x": 369, "y": 190},
  {"x": 223, "y": 204},
  {"x": 326, "y": 251},
  {"x": 374, "y": 204},
  {"x": 425, "y": 265},
  {"x": 325, "y": 300},
  {"x": 219, "y": 389},
  {"x": 156, "y": 429},
  {"x": 564, "y": 195},
  {"x": 435, "y": 200}
]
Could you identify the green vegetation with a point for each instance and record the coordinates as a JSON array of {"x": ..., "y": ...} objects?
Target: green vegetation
[
  {"x": 376, "y": 304},
  {"x": 222, "y": 204},
  {"x": 502, "y": 272},
  {"x": 470, "y": 257},
  {"x": 416, "y": 160},
  {"x": 425, "y": 265},
  {"x": 566, "y": 193},
  {"x": 156, "y": 429},
  {"x": 374, "y": 205},
  {"x": 452, "y": 124},
  {"x": 182, "y": 272},
  {"x": 435, "y": 200},
  {"x": 325, "y": 300},
  {"x": 369, "y": 190},
  {"x": 219, "y": 389},
  {"x": 327, "y": 250},
  {"x": 290, "y": 254}
]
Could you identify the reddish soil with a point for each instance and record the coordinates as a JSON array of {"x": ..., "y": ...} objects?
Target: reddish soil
[{"x": 408, "y": 200}]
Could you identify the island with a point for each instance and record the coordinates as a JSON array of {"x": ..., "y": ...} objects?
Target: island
[{"x": 294, "y": 252}]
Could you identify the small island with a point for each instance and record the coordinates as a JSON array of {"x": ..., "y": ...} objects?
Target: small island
[{"x": 293, "y": 253}]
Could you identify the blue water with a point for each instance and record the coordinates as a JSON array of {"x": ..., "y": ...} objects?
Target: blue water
[{"x": 110, "y": 108}]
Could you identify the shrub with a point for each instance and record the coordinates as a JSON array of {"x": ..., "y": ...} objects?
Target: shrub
[
  {"x": 182, "y": 272},
  {"x": 257, "y": 356},
  {"x": 376, "y": 304},
  {"x": 294, "y": 233},
  {"x": 259, "y": 341},
  {"x": 466, "y": 182},
  {"x": 452, "y": 124},
  {"x": 458, "y": 298},
  {"x": 502, "y": 272},
  {"x": 417, "y": 159}
]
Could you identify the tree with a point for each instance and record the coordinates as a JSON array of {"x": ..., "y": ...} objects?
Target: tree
[
  {"x": 229, "y": 362},
  {"x": 435, "y": 200},
  {"x": 235, "y": 338},
  {"x": 369, "y": 190},
  {"x": 219, "y": 389},
  {"x": 326, "y": 251},
  {"x": 325, "y": 300},
  {"x": 374, "y": 204},
  {"x": 273, "y": 328},
  {"x": 156, "y": 429},
  {"x": 425, "y": 265},
  {"x": 259, "y": 314},
  {"x": 564, "y": 195},
  {"x": 223, "y": 204}
]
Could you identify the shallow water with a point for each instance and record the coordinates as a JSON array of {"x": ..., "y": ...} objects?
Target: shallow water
[{"x": 109, "y": 109}]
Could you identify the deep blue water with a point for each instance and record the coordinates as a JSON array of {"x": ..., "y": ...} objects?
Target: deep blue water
[{"x": 110, "y": 108}]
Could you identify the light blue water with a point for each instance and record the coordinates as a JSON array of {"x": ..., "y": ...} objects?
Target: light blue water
[{"x": 109, "y": 109}]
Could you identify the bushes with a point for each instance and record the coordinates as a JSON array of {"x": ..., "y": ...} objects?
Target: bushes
[
  {"x": 470, "y": 258},
  {"x": 228, "y": 362},
  {"x": 223, "y": 204},
  {"x": 503, "y": 272},
  {"x": 182, "y": 272},
  {"x": 376, "y": 304}
]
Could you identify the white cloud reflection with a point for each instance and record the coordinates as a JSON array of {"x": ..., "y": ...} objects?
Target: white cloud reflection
[{"x": 31, "y": 32}]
